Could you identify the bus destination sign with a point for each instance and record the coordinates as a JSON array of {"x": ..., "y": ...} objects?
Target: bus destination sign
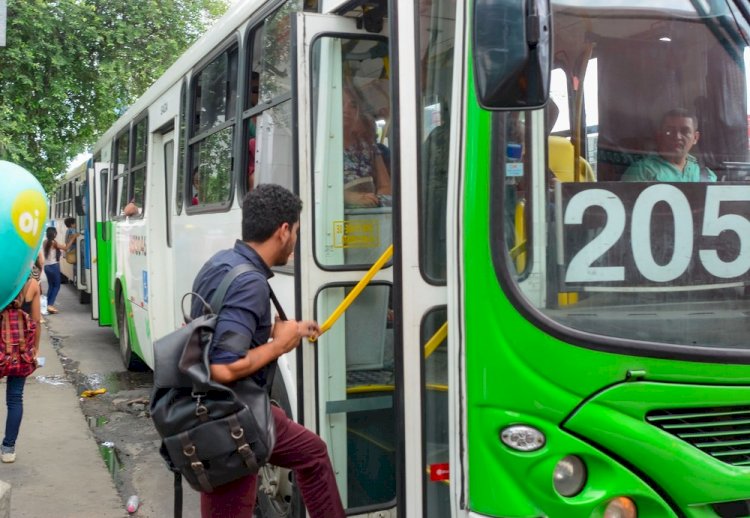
[{"x": 651, "y": 235}]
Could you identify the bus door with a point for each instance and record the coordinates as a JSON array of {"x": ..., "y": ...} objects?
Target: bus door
[
  {"x": 349, "y": 376},
  {"x": 101, "y": 244},
  {"x": 160, "y": 280},
  {"x": 82, "y": 264}
]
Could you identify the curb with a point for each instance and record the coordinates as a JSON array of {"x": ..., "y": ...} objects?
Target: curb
[{"x": 4, "y": 499}]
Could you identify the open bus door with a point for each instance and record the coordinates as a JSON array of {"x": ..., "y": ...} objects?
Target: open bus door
[
  {"x": 101, "y": 243},
  {"x": 349, "y": 377},
  {"x": 83, "y": 261}
]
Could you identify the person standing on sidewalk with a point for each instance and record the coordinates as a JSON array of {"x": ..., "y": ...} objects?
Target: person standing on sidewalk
[
  {"x": 30, "y": 300},
  {"x": 52, "y": 251},
  {"x": 270, "y": 223}
]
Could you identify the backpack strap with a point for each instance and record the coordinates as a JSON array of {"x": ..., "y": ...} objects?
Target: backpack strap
[
  {"x": 218, "y": 298},
  {"x": 221, "y": 291}
]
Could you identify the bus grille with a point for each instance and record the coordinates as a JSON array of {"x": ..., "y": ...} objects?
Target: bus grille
[{"x": 722, "y": 432}]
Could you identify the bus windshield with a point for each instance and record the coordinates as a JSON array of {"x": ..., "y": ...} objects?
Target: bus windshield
[{"x": 624, "y": 204}]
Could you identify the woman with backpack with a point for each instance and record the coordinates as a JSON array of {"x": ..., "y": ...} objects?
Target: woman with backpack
[
  {"x": 52, "y": 251},
  {"x": 29, "y": 304}
]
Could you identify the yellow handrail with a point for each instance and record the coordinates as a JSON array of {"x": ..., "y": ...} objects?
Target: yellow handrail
[
  {"x": 436, "y": 340},
  {"x": 364, "y": 281},
  {"x": 519, "y": 251}
]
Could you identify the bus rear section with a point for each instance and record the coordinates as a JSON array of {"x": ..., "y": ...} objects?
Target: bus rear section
[{"x": 605, "y": 271}]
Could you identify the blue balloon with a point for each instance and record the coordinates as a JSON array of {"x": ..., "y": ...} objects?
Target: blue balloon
[{"x": 23, "y": 216}]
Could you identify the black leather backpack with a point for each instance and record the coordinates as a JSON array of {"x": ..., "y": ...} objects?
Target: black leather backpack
[{"x": 211, "y": 433}]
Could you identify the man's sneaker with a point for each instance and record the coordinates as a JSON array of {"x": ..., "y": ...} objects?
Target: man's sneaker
[{"x": 7, "y": 454}]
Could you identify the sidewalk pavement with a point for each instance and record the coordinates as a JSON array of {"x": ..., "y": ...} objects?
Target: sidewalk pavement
[{"x": 58, "y": 470}]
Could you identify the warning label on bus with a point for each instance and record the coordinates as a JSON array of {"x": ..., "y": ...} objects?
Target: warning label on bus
[{"x": 360, "y": 233}]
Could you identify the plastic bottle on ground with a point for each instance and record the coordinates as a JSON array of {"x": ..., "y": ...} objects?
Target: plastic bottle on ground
[{"x": 133, "y": 503}]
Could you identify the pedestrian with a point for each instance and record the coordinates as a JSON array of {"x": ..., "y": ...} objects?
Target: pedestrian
[
  {"x": 270, "y": 223},
  {"x": 37, "y": 266},
  {"x": 52, "y": 251},
  {"x": 30, "y": 302},
  {"x": 71, "y": 234}
]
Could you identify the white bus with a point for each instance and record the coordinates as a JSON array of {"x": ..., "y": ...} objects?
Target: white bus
[{"x": 71, "y": 201}]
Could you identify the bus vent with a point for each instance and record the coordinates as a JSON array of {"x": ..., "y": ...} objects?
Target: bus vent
[{"x": 722, "y": 432}]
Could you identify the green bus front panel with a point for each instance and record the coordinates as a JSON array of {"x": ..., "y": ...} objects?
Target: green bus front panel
[
  {"x": 518, "y": 374},
  {"x": 104, "y": 251}
]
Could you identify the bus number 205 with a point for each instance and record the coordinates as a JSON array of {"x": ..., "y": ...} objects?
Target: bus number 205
[{"x": 646, "y": 234}]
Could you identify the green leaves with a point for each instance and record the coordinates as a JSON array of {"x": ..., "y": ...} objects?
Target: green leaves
[{"x": 70, "y": 66}]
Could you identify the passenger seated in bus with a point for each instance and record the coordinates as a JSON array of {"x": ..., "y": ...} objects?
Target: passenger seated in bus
[
  {"x": 676, "y": 136},
  {"x": 71, "y": 235},
  {"x": 131, "y": 209},
  {"x": 366, "y": 179}
]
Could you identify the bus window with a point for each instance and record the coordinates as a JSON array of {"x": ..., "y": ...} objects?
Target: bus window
[
  {"x": 138, "y": 169},
  {"x": 435, "y": 425},
  {"x": 268, "y": 111},
  {"x": 352, "y": 184},
  {"x": 558, "y": 94},
  {"x": 356, "y": 380},
  {"x": 104, "y": 185},
  {"x": 647, "y": 246},
  {"x": 212, "y": 131},
  {"x": 122, "y": 161},
  {"x": 437, "y": 26}
]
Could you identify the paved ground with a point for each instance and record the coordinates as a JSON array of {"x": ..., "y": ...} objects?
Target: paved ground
[
  {"x": 59, "y": 471},
  {"x": 91, "y": 360}
]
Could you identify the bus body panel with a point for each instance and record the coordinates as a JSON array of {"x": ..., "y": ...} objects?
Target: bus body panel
[
  {"x": 587, "y": 400},
  {"x": 104, "y": 254}
]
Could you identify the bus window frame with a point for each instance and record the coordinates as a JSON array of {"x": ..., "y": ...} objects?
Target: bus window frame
[
  {"x": 115, "y": 193},
  {"x": 503, "y": 266},
  {"x": 258, "y": 23},
  {"x": 193, "y": 137},
  {"x": 181, "y": 133},
  {"x": 135, "y": 168},
  {"x": 313, "y": 106}
]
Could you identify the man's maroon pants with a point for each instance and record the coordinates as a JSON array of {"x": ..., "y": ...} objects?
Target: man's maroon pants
[{"x": 296, "y": 448}]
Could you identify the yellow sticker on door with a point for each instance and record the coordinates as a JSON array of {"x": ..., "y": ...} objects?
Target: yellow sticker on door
[{"x": 361, "y": 233}]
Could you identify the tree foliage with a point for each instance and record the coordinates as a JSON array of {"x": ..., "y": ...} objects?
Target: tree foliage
[{"x": 70, "y": 67}]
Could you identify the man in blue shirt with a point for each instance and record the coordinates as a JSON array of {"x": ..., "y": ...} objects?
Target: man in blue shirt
[
  {"x": 678, "y": 133},
  {"x": 270, "y": 223}
]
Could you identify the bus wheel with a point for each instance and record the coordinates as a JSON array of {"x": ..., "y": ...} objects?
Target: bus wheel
[
  {"x": 276, "y": 496},
  {"x": 129, "y": 358}
]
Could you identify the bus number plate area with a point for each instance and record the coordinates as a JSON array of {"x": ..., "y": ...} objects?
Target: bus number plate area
[{"x": 668, "y": 235}]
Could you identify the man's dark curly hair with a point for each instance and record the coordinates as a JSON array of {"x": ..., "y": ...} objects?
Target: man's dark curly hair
[{"x": 265, "y": 209}]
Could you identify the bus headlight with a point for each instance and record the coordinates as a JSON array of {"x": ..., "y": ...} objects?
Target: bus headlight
[
  {"x": 621, "y": 507},
  {"x": 521, "y": 437},
  {"x": 569, "y": 476}
]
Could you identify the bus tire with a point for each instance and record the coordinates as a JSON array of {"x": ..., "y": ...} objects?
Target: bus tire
[
  {"x": 277, "y": 494},
  {"x": 129, "y": 359}
]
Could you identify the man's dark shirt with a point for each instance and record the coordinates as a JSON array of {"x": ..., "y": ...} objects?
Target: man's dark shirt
[{"x": 245, "y": 317}]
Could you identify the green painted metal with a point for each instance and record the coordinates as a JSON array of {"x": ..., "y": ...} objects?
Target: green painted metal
[
  {"x": 104, "y": 262},
  {"x": 516, "y": 373},
  {"x": 616, "y": 419}
]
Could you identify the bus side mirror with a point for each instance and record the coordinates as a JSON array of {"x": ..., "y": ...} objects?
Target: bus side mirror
[{"x": 512, "y": 53}]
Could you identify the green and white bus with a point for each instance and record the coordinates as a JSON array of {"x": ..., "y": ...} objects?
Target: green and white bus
[
  {"x": 546, "y": 339},
  {"x": 71, "y": 200}
]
